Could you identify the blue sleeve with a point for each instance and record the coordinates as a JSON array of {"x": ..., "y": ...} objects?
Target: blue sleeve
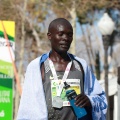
[{"x": 97, "y": 97}]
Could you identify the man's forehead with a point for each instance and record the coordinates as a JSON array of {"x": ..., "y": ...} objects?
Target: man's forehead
[{"x": 61, "y": 25}]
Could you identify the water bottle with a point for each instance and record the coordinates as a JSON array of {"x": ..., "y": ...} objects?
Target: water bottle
[{"x": 71, "y": 95}]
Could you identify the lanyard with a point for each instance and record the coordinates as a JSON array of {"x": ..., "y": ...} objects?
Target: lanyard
[{"x": 60, "y": 87}]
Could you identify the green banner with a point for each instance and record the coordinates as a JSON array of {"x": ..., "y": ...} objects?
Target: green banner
[{"x": 6, "y": 70}]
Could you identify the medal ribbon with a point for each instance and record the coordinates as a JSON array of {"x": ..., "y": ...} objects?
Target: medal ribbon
[{"x": 67, "y": 70}]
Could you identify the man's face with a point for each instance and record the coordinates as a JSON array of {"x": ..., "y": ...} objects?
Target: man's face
[{"x": 61, "y": 37}]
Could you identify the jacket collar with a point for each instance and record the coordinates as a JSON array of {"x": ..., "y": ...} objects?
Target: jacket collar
[{"x": 46, "y": 55}]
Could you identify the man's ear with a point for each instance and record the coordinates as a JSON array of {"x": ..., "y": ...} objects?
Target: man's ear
[{"x": 49, "y": 35}]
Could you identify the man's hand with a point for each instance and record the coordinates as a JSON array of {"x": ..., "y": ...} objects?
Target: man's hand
[{"x": 82, "y": 101}]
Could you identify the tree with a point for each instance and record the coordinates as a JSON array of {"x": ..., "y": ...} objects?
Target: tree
[{"x": 30, "y": 38}]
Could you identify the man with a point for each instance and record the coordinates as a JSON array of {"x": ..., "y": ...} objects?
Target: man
[{"x": 44, "y": 97}]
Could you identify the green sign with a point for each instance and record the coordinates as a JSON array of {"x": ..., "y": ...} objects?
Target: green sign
[{"x": 6, "y": 71}]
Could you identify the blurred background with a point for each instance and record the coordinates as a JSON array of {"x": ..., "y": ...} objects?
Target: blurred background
[{"x": 32, "y": 18}]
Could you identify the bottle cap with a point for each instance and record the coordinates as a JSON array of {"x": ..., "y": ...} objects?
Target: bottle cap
[{"x": 66, "y": 86}]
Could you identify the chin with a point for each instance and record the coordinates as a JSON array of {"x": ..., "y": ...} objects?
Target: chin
[{"x": 63, "y": 51}]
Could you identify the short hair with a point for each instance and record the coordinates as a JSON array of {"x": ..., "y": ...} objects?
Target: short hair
[{"x": 58, "y": 20}]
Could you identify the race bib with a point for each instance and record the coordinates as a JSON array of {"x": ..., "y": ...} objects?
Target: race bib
[{"x": 74, "y": 84}]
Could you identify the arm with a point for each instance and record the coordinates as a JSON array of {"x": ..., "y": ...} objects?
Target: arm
[
  {"x": 32, "y": 103},
  {"x": 94, "y": 97}
]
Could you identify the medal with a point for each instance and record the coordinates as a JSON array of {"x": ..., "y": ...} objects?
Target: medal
[
  {"x": 57, "y": 102},
  {"x": 60, "y": 87}
]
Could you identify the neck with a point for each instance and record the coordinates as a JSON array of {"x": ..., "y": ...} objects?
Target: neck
[{"x": 59, "y": 57}]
